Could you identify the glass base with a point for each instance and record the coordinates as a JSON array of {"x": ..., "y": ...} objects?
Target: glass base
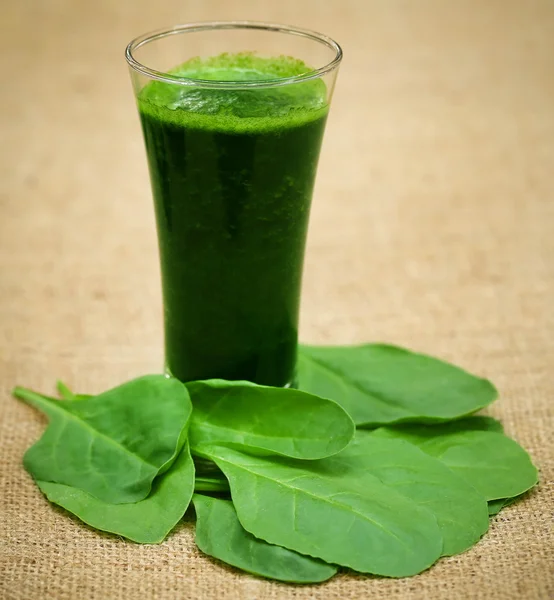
[{"x": 293, "y": 384}]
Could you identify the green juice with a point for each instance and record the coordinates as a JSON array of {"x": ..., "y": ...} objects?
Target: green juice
[{"x": 232, "y": 174}]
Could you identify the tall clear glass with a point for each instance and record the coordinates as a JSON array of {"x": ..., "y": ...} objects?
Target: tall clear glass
[{"x": 233, "y": 115}]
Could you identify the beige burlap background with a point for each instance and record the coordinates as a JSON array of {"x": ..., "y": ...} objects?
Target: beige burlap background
[{"x": 433, "y": 227}]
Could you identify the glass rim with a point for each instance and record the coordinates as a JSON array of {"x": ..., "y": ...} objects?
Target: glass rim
[{"x": 152, "y": 36}]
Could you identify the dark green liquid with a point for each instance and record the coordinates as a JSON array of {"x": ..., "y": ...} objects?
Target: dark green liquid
[{"x": 232, "y": 176}]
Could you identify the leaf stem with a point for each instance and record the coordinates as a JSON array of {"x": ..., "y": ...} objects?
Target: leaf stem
[
  {"x": 209, "y": 484},
  {"x": 31, "y": 397},
  {"x": 64, "y": 391}
]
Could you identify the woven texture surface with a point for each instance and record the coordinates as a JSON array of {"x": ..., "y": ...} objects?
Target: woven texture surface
[{"x": 432, "y": 227}]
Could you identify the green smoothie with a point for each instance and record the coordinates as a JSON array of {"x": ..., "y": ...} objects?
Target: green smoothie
[{"x": 232, "y": 174}]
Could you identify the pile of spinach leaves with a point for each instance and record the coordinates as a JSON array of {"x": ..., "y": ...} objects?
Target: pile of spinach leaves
[{"x": 373, "y": 464}]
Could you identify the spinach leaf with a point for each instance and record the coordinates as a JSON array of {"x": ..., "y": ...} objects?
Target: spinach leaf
[
  {"x": 220, "y": 534},
  {"x": 114, "y": 444},
  {"x": 473, "y": 423},
  {"x": 491, "y": 462},
  {"x": 147, "y": 521},
  {"x": 460, "y": 510},
  {"x": 281, "y": 421},
  {"x": 325, "y": 510},
  {"x": 495, "y": 506},
  {"x": 380, "y": 384}
]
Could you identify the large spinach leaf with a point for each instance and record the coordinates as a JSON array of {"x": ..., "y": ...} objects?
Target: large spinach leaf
[
  {"x": 328, "y": 511},
  {"x": 281, "y": 421},
  {"x": 460, "y": 510},
  {"x": 147, "y": 521},
  {"x": 379, "y": 384},
  {"x": 114, "y": 444},
  {"x": 494, "y": 464},
  {"x": 220, "y": 534}
]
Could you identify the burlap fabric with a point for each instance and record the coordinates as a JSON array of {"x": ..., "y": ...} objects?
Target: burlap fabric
[{"x": 433, "y": 227}]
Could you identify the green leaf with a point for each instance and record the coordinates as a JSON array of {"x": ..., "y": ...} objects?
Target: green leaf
[
  {"x": 220, "y": 534},
  {"x": 495, "y": 506},
  {"x": 379, "y": 384},
  {"x": 491, "y": 462},
  {"x": 324, "y": 510},
  {"x": 460, "y": 510},
  {"x": 473, "y": 423},
  {"x": 281, "y": 421},
  {"x": 147, "y": 521},
  {"x": 114, "y": 444}
]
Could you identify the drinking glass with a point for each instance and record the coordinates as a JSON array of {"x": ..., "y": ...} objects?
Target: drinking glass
[{"x": 233, "y": 115}]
